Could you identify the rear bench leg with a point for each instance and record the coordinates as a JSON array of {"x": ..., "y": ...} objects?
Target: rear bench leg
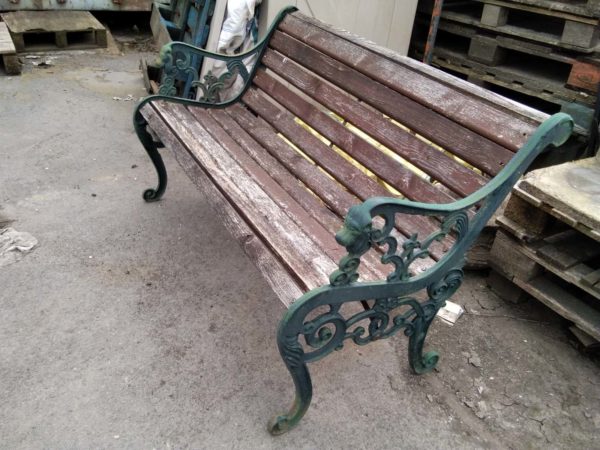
[{"x": 140, "y": 124}]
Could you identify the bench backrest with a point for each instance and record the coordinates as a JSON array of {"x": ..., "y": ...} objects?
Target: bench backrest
[{"x": 428, "y": 140}]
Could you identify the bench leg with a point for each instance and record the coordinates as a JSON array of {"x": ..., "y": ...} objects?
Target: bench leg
[
  {"x": 421, "y": 363},
  {"x": 151, "y": 195},
  {"x": 292, "y": 354},
  {"x": 390, "y": 309}
]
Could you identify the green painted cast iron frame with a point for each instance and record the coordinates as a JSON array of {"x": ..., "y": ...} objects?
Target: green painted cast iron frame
[
  {"x": 176, "y": 59},
  {"x": 390, "y": 305}
]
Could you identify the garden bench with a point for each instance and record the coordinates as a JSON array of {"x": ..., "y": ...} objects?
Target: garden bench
[{"x": 333, "y": 134}]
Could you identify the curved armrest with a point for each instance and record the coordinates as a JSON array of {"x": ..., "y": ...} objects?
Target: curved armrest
[
  {"x": 178, "y": 59},
  {"x": 182, "y": 62},
  {"x": 358, "y": 234}
]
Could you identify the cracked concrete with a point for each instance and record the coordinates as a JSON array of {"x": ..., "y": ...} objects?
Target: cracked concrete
[{"x": 145, "y": 326}]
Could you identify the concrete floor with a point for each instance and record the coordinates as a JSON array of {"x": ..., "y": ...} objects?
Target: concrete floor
[{"x": 138, "y": 325}]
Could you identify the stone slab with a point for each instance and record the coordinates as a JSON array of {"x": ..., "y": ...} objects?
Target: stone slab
[{"x": 572, "y": 187}]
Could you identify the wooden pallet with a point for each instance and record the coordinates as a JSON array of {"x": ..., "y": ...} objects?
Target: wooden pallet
[
  {"x": 12, "y": 66},
  {"x": 521, "y": 78},
  {"x": 584, "y": 8},
  {"x": 568, "y": 255},
  {"x": 54, "y": 30},
  {"x": 519, "y": 271},
  {"x": 499, "y": 50},
  {"x": 549, "y": 247},
  {"x": 549, "y": 27}
]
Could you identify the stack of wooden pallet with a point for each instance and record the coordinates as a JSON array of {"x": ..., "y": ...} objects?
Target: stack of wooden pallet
[
  {"x": 548, "y": 245},
  {"x": 541, "y": 52},
  {"x": 8, "y": 53},
  {"x": 54, "y": 30}
]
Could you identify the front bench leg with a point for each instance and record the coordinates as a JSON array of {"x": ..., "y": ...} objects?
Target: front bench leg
[
  {"x": 307, "y": 334},
  {"x": 140, "y": 124},
  {"x": 390, "y": 310}
]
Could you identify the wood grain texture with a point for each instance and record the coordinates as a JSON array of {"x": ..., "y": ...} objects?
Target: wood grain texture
[
  {"x": 338, "y": 167},
  {"x": 564, "y": 303},
  {"x": 293, "y": 246},
  {"x": 522, "y": 113},
  {"x": 294, "y": 186},
  {"x": 408, "y": 183},
  {"x": 435, "y": 127},
  {"x": 285, "y": 286},
  {"x": 325, "y": 187},
  {"x": 323, "y": 238},
  {"x": 482, "y": 117},
  {"x": 572, "y": 188},
  {"x": 375, "y": 124},
  {"x": 6, "y": 44}
]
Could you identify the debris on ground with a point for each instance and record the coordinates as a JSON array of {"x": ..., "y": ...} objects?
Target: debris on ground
[
  {"x": 129, "y": 98},
  {"x": 474, "y": 360},
  {"x": 43, "y": 64},
  {"x": 450, "y": 313},
  {"x": 14, "y": 245}
]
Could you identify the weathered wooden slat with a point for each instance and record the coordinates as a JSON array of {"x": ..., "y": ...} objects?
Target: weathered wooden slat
[
  {"x": 531, "y": 117},
  {"x": 294, "y": 186},
  {"x": 435, "y": 127},
  {"x": 483, "y": 118},
  {"x": 6, "y": 43},
  {"x": 338, "y": 167},
  {"x": 568, "y": 248},
  {"x": 592, "y": 279},
  {"x": 329, "y": 190},
  {"x": 408, "y": 183},
  {"x": 564, "y": 303},
  {"x": 285, "y": 237},
  {"x": 285, "y": 286},
  {"x": 373, "y": 123},
  {"x": 323, "y": 238},
  {"x": 314, "y": 216}
]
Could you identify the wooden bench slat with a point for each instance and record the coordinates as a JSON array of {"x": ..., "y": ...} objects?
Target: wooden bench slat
[
  {"x": 324, "y": 239},
  {"x": 408, "y": 183},
  {"x": 294, "y": 186},
  {"x": 328, "y": 222},
  {"x": 285, "y": 286},
  {"x": 435, "y": 127},
  {"x": 284, "y": 236},
  {"x": 341, "y": 169},
  {"x": 326, "y": 189},
  {"x": 521, "y": 113},
  {"x": 337, "y": 198},
  {"x": 485, "y": 119}
]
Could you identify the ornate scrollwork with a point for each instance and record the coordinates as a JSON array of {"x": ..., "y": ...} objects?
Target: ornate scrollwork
[
  {"x": 177, "y": 64},
  {"x": 445, "y": 288},
  {"x": 292, "y": 351},
  {"x": 328, "y": 331},
  {"x": 358, "y": 236},
  {"x": 347, "y": 271},
  {"x": 182, "y": 64}
]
